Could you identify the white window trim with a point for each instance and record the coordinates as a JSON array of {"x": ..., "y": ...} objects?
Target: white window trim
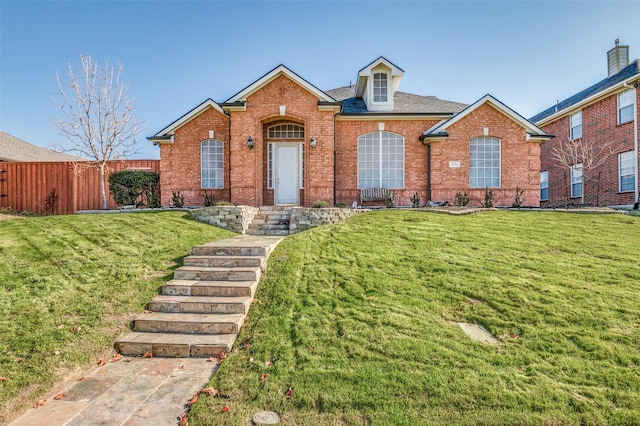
[
  {"x": 201, "y": 164},
  {"x": 546, "y": 173},
  {"x": 634, "y": 160},
  {"x": 499, "y": 162},
  {"x": 576, "y": 167},
  {"x": 575, "y": 126},
  {"x": 372, "y": 105},
  {"x": 380, "y": 132},
  {"x": 630, "y": 104}
]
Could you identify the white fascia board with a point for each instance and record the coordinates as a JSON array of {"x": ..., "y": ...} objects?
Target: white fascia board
[
  {"x": 529, "y": 127},
  {"x": 189, "y": 116},
  {"x": 272, "y": 75},
  {"x": 591, "y": 99},
  {"x": 366, "y": 71}
]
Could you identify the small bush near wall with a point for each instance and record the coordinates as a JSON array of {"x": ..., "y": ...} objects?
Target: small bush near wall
[{"x": 135, "y": 187}]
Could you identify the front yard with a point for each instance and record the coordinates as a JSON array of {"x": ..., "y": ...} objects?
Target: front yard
[{"x": 359, "y": 321}]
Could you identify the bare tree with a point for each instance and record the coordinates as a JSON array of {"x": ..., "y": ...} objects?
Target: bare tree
[
  {"x": 589, "y": 153},
  {"x": 96, "y": 116}
]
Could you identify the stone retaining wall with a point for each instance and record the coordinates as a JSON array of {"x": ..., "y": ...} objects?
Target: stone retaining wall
[
  {"x": 233, "y": 218},
  {"x": 303, "y": 218}
]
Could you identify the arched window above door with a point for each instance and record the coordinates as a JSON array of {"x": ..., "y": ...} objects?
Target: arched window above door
[{"x": 285, "y": 131}]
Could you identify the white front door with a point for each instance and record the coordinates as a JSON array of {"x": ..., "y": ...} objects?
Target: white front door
[{"x": 286, "y": 174}]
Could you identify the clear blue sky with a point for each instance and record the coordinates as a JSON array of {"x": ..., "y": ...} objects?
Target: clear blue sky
[{"x": 177, "y": 54}]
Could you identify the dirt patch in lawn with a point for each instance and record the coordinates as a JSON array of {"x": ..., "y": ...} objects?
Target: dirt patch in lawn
[{"x": 9, "y": 216}]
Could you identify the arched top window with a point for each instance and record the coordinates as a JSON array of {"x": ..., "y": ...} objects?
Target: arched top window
[
  {"x": 381, "y": 160},
  {"x": 212, "y": 164},
  {"x": 285, "y": 131},
  {"x": 484, "y": 170}
]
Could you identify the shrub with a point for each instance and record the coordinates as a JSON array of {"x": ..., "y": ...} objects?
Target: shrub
[
  {"x": 518, "y": 200},
  {"x": 209, "y": 199},
  {"x": 135, "y": 187},
  {"x": 177, "y": 199},
  {"x": 462, "y": 199},
  {"x": 388, "y": 200},
  {"x": 488, "y": 199},
  {"x": 223, "y": 203},
  {"x": 415, "y": 200},
  {"x": 320, "y": 204},
  {"x": 50, "y": 202}
]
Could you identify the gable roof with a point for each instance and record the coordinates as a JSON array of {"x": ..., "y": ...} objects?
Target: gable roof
[
  {"x": 242, "y": 95},
  {"x": 403, "y": 103},
  {"x": 365, "y": 73},
  {"x": 164, "y": 135},
  {"x": 15, "y": 149},
  {"x": 612, "y": 83},
  {"x": 439, "y": 131}
]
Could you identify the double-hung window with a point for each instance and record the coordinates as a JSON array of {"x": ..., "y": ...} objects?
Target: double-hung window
[
  {"x": 211, "y": 164},
  {"x": 381, "y": 160},
  {"x": 625, "y": 106},
  {"x": 380, "y": 87},
  {"x": 484, "y": 168},
  {"x": 627, "y": 171},
  {"x": 544, "y": 186},
  {"x": 576, "y": 125},
  {"x": 576, "y": 180}
]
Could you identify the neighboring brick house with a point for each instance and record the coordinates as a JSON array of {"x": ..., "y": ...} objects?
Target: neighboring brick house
[
  {"x": 605, "y": 113},
  {"x": 283, "y": 141}
]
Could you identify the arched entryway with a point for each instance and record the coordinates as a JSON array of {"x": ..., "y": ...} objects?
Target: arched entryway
[{"x": 284, "y": 157}]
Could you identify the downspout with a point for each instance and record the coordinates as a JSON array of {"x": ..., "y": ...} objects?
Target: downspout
[
  {"x": 635, "y": 135},
  {"x": 335, "y": 156},
  {"x": 229, "y": 155},
  {"x": 428, "y": 145}
]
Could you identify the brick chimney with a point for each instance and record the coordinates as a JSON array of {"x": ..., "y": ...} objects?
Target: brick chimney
[{"x": 617, "y": 58}]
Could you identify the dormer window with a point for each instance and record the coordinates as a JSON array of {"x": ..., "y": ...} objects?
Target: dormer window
[{"x": 380, "y": 87}]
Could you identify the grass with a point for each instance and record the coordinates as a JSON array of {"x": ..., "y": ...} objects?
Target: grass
[
  {"x": 70, "y": 284},
  {"x": 359, "y": 319}
]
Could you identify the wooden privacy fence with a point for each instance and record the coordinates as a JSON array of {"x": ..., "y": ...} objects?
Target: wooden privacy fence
[{"x": 25, "y": 186}]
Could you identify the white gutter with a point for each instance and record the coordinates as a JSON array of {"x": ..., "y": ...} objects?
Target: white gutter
[{"x": 635, "y": 135}]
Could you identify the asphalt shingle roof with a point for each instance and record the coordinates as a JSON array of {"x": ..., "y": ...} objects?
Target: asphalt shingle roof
[
  {"x": 15, "y": 149},
  {"x": 402, "y": 103},
  {"x": 631, "y": 70}
]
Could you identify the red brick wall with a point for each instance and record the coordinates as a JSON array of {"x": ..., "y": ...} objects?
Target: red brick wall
[
  {"x": 520, "y": 160},
  {"x": 248, "y": 167},
  {"x": 415, "y": 158},
  {"x": 600, "y": 186},
  {"x": 180, "y": 161}
]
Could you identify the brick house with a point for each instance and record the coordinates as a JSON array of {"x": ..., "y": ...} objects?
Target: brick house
[
  {"x": 283, "y": 141},
  {"x": 604, "y": 113}
]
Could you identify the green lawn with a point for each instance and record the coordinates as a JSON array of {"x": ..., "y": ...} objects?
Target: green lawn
[
  {"x": 359, "y": 319},
  {"x": 70, "y": 284}
]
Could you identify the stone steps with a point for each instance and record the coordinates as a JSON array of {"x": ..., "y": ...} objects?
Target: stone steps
[
  {"x": 202, "y": 309},
  {"x": 271, "y": 221}
]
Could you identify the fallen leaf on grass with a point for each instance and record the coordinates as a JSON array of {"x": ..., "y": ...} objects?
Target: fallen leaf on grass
[
  {"x": 252, "y": 360},
  {"x": 289, "y": 393},
  {"x": 310, "y": 348},
  {"x": 263, "y": 376},
  {"x": 3, "y": 379},
  {"x": 148, "y": 355},
  {"x": 369, "y": 297},
  {"x": 102, "y": 362},
  {"x": 59, "y": 396},
  {"x": 246, "y": 345},
  {"x": 61, "y": 326},
  {"x": 225, "y": 409},
  {"x": 193, "y": 400},
  {"x": 183, "y": 419},
  {"x": 210, "y": 391},
  {"x": 41, "y": 403},
  {"x": 268, "y": 363},
  {"x": 514, "y": 336}
]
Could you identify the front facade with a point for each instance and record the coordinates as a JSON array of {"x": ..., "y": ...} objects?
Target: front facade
[
  {"x": 282, "y": 141},
  {"x": 597, "y": 128}
]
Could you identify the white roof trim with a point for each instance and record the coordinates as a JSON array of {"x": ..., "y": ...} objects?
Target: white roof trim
[
  {"x": 585, "y": 102},
  {"x": 529, "y": 127},
  {"x": 366, "y": 71},
  {"x": 189, "y": 116},
  {"x": 272, "y": 75}
]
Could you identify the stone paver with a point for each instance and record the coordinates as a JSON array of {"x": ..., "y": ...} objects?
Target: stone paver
[{"x": 131, "y": 392}]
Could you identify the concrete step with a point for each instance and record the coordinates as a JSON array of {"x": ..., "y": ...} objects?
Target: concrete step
[
  {"x": 161, "y": 322},
  {"x": 204, "y": 273},
  {"x": 238, "y": 246},
  {"x": 210, "y": 288},
  {"x": 200, "y": 304},
  {"x": 226, "y": 261},
  {"x": 174, "y": 345}
]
